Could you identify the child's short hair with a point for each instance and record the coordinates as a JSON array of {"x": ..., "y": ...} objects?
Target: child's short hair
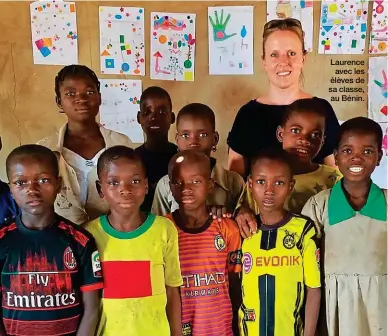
[
  {"x": 198, "y": 110},
  {"x": 35, "y": 151},
  {"x": 191, "y": 156},
  {"x": 362, "y": 125},
  {"x": 155, "y": 92},
  {"x": 74, "y": 70},
  {"x": 303, "y": 105},
  {"x": 275, "y": 154},
  {"x": 114, "y": 153}
]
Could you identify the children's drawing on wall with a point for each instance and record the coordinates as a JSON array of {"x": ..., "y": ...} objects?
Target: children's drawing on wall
[
  {"x": 378, "y": 89},
  {"x": 120, "y": 104},
  {"x": 54, "y": 33},
  {"x": 122, "y": 40},
  {"x": 379, "y": 28},
  {"x": 343, "y": 27},
  {"x": 380, "y": 175},
  {"x": 301, "y": 10},
  {"x": 230, "y": 31},
  {"x": 172, "y": 46}
]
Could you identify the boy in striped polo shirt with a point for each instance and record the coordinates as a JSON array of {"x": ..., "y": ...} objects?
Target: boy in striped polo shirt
[{"x": 209, "y": 250}]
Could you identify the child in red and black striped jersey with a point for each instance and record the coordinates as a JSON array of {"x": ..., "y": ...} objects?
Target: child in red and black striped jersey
[
  {"x": 209, "y": 250},
  {"x": 50, "y": 269}
]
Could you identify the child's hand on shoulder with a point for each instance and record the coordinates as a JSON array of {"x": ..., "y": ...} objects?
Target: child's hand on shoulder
[
  {"x": 219, "y": 212},
  {"x": 246, "y": 222}
]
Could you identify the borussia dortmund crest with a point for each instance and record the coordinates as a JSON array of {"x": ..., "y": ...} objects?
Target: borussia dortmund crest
[{"x": 289, "y": 240}]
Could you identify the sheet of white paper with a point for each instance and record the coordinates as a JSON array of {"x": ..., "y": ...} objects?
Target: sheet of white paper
[
  {"x": 122, "y": 40},
  {"x": 378, "y": 89},
  {"x": 172, "y": 46},
  {"x": 301, "y": 10},
  {"x": 379, "y": 28},
  {"x": 230, "y": 31},
  {"x": 380, "y": 175},
  {"x": 54, "y": 32},
  {"x": 120, "y": 104},
  {"x": 343, "y": 27}
]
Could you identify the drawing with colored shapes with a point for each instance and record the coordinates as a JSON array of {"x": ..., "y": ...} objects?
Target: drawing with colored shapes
[
  {"x": 120, "y": 105},
  {"x": 172, "y": 46},
  {"x": 54, "y": 33},
  {"x": 379, "y": 28},
  {"x": 300, "y": 10},
  {"x": 343, "y": 27},
  {"x": 122, "y": 40},
  {"x": 230, "y": 34},
  {"x": 380, "y": 175},
  {"x": 378, "y": 89}
]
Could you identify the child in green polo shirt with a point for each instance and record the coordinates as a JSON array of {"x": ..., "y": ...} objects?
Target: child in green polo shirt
[{"x": 353, "y": 217}]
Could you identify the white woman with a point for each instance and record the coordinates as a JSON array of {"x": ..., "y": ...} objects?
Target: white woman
[{"x": 256, "y": 122}]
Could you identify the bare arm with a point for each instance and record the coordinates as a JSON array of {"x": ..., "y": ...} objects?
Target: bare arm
[
  {"x": 236, "y": 162},
  {"x": 312, "y": 310},
  {"x": 173, "y": 310},
  {"x": 91, "y": 301},
  {"x": 329, "y": 161}
]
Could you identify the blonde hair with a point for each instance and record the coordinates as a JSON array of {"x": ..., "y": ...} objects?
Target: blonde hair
[{"x": 289, "y": 24}]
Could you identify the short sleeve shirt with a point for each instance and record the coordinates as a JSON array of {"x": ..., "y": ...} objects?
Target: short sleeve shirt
[
  {"x": 43, "y": 273},
  {"x": 255, "y": 128}
]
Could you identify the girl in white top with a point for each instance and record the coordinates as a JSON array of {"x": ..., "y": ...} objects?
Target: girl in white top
[
  {"x": 352, "y": 217},
  {"x": 79, "y": 143}
]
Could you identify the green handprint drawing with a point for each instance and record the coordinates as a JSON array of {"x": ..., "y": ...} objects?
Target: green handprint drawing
[{"x": 219, "y": 27}]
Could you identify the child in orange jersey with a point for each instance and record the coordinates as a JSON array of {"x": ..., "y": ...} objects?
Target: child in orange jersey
[{"x": 209, "y": 250}]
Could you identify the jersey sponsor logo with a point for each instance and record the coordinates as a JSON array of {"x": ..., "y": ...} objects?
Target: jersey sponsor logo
[
  {"x": 235, "y": 257},
  {"x": 219, "y": 242},
  {"x": 289, "y": 240},
  {"x": 69, "y": 259},
  {"x": 96, "y": 264},
  {"x": 247, "y": 262},
  {"x": 204, "y": 279},
  {"x": 38, "y": 301},
  {"x": 278, "y": 261},
  {"x": 186, "y": 329},
  {"x": 318, "y": 256}
]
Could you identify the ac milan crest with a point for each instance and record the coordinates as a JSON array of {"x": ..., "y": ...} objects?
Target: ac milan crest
[{"x": 69, "y": 259}]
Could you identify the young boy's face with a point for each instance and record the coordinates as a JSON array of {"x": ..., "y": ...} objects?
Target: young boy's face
[
  {"x": 196, "y": 133},
  {"x": 123, "y": 184},
  {"x": 271, "y": 183},
  {"x": 155, "y": 116},
  {"x": 357, "y": 156},
  {"x": 303, "y": 135},
  {"x": 80, "y": 98},
  {"x": 34, "y": 184},
  {"x": 190, "y": 184}
]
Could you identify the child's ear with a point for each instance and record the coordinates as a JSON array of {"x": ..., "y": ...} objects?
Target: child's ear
[
  {"x": 250, "y": 182},
  {"x": 216, "y": 138},
  {"x": 99, "y": 189},
  {"x": 279, "y": 133},
  {"x": 147, "y": 186},
  {"x": 138, "y": 117},
  {"x": 172, "y": 118},
  {"x": 335, "y": 153},
  {"x": 292, "y": 185},
  {"x": 99, "y": 99},
  {"x": 381, "y": 153}
]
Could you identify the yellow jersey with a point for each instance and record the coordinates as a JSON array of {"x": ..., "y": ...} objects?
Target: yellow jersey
[{"x": 278, "y": 262}]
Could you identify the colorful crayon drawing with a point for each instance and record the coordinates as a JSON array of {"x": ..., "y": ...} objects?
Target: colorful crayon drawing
[
  {"x": 230, "y": 36},
  {"x": 343, "y": 27},
  {"x": 122, "y": 40},
  {"x": 378, "y": 43},
  {"x": 120, "y": 105},
  {"x": 378, "y": 89},
  {"x": 301, "y": 10},
  {"x": 172, "y": 46},
  {"x": 380, "y": 174},
  {"x": 54, "y": 33}
]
